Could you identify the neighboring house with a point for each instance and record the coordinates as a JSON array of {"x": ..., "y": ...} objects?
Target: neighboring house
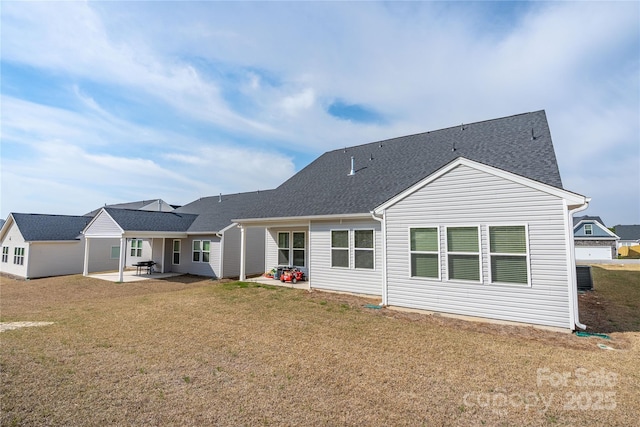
[
  {"x": 593, "y": 240},
  {"x": 157, "y": 205},
  {"x": 36, "y": 245},
  {"x": 198, "y": 238},
  {"x": 629, "y": 235},
  {"x": 471, "y": 220}
]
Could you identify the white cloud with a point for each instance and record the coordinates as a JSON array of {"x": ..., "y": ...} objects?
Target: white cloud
[{"x": 265, "y": 72}]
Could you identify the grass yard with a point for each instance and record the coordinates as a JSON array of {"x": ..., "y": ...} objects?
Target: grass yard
[{"x": 191, "y": 351}]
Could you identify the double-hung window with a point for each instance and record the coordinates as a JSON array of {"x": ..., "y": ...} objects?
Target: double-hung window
[
  {"x": 340, "y": 248},
  {"x": 176, "y": 253},
  {"x": 588, "y": 229},
  {"x": 298, "y": 248},
  {"x": 5, "y": 254},
  {"x": 201, "y": 250},
  {"x": 363, "y": 248},
  {"x": 284, "y": 247},
  {"x": 463, "y": 253},
  {"x": 425, "y": 257},
  {"x": 509, "y": 254},
  {"x": 18, "y": 256},
  {"x": 136, "y": 247}
]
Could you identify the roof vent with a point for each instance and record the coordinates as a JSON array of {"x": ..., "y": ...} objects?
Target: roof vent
[
  {"x": 453, "y": 147},
  {"x": 220, "y": 198},
  {"x": 353, "y": 169},
  {"x": 533, "y": 136},
  {"x": 371, "y": 157}
]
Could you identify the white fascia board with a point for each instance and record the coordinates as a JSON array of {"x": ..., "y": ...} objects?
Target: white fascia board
[
  {"x": 573, "y": 199},
  {"x": 7, "y": 226},
  {"x": 303, "y": 220},
  {"x": 102, "y": 211}
]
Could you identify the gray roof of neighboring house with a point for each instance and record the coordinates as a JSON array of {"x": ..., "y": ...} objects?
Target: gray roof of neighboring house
[
  {"x": 215, "y": 213},
  {"x": 42, "y": 227},
  {"x": 519, "y": 144},
  {"x": 149, "y": 205},
  {"x": 576, "y": 220},
  {"x": 628, "y": 232},
  {"x": 136, "y": 220}
]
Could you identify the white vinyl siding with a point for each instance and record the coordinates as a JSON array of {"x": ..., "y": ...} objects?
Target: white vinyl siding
[
  {"x": 468, "y": 196},
  {"x": 103, "y": 225}
]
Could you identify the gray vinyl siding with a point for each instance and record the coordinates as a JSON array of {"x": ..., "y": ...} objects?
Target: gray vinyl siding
[
  {"x": 55, "y": 258},
  {"x": 468, "y": 197},
  {"x": 187, "y": 266},
  {"x": 254, "y": 262},
  {"x": 103, "y": 225},
  {"x": 100, "y": 255},
  {"x": 359, "y": 281}
]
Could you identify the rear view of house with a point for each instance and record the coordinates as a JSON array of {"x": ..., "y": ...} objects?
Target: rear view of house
[{"x": 470, "y": 220}]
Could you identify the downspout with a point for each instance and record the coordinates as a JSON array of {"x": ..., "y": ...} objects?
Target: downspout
[
  {"x": 221, "y": 255},
  {"x": 383, "y": 232},
  {"x": 572, "y": 265}
]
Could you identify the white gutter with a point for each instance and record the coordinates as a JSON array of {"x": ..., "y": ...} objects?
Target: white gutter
[
  {"x": 383, "y": 232},
  {"x": 573, "y": 286}
]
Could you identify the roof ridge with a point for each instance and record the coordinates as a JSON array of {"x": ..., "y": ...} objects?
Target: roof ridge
[{"x": 434, "y": 131}]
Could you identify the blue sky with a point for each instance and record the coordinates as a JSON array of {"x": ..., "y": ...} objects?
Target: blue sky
[{"x": 109, "y": 102}]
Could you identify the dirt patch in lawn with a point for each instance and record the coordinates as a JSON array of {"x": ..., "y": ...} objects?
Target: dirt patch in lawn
[{"x": 211, "y": 353}]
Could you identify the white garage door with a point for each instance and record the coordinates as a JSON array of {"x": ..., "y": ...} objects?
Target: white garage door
[{"x": 593, "y": 252}]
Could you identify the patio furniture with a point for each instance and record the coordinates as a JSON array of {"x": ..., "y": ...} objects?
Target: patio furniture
[{"x": 148, "y": 265}]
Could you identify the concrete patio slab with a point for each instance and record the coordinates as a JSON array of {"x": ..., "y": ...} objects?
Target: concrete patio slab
[{"x": 131, "y": 276}]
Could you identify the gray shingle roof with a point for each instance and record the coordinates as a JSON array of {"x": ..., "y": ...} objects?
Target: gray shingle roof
[
  {"x": 576, "y": 220},
  {"x": 628, "y": 232},
  {"x": 520, "y": 144},
  {"x": 136, "y": 220},
  {"x": 149, "y": 205},
  {"x": 215, "y": 215},
  {"x": 42, "y": 227}
]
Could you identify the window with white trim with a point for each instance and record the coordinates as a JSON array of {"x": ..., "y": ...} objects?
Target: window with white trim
[
  {"x": 136, "y": 247},
  {"x": 425, "y": 255},
  {"x": 201, "y": 250},
  {"x": 508, "y": 254},
  {"x": 298, "y": 248},
  {"x": 175, "y": 259},
  {"x": 284, "y": 248},
  {"x": 18, "y": 256},
  {"x": 115, "y": 252},
  {"x": 463, "y": 253},
  {"x": 5, "y": 254},
  {"x": 340, "y": 248},
  {"x": 363, "y": 249},
  {"x": 588, "y": 229}
]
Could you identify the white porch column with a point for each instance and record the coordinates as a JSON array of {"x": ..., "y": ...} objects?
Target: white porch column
[
  {"x": 164, "y": 243},
  {"x": 123, "y": 253},
  {"x": 243, "y": 250},
  {"x": 85, "y": 270}
]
